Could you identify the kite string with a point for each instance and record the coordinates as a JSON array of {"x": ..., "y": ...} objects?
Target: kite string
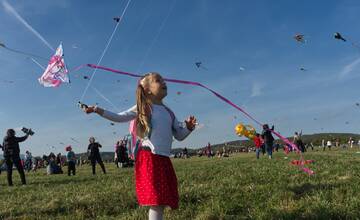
[
  {"x": 125, "y": 51},
  {"x": 106, "y": 99},
  {"x": 104, "y": 51},
  {"x": 162, "y": 25},
  {"x": 23, "y": 53},
  {"x": 37, "y": 63},
  {"x": 99, "y": 61}
]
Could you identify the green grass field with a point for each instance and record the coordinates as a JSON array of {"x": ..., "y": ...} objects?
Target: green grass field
[{"x": 239, "y": 187}]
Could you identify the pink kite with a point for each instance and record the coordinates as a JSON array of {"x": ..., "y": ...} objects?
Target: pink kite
[{"x": 56, "y": 72}]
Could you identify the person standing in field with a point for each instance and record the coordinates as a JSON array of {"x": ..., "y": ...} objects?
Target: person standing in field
[
  {"x": 297, "y": 140},
  {"x": 94, "y": 155},
  {"x": 71, "y": 160},
  {"x": 329, "y": 144},
  {"x": 155, "y": 125},
  {"x": 28, "y": 161},
  {"x": 312, "y": 146},
  {"x": 258, "y": 143},
  {"x": 12, "y": 155},
  {"x": 268, "y": 139},
  {"x": 351, "y": 142},
  {"x": 337, "y": 142},
  {"x": 208, "y": 150}
]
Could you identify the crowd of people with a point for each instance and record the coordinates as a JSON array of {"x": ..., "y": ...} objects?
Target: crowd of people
[
  {"x": 54, "y": 163},
  {"x": 265, "y": 143}
]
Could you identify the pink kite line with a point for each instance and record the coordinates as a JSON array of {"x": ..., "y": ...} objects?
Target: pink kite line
[{"x": 284, "y": 139}]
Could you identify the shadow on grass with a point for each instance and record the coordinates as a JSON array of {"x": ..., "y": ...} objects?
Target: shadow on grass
[
  {"x": 308, "y": 189},
  {"x": 85, "y": 209},
  {"x": 64, "y": 180},
  {"x": 316, "y": 213}
]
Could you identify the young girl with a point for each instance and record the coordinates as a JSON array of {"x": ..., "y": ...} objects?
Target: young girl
[{"x": 156, "y": 182}]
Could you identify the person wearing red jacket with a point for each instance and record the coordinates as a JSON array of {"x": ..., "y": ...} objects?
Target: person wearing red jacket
[{"x": 258, "y": 142}]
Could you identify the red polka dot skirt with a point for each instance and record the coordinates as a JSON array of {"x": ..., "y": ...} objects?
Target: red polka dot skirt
[{"x": 156, "y": 182}]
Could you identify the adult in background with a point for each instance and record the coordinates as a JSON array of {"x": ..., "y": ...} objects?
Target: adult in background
[
  {"x": 185, "y": 153},
  {"x": 122, "y": 157},
  {"x": 12, "y": 155},
  {"x": 337, "y": 142},
  {"x": 268, "y": 139},
  {"x": 297, "y": 140},
  {"x": 116, "y": 153},
  {"x": 52, "y": 166},
  {"x": 94, "y": 155},
  {"x": 329, "y": 144},
  {"x": 28, "y": 161},
  {"x": 351, "y": 142},
  {"x": 208, "y": 150}
]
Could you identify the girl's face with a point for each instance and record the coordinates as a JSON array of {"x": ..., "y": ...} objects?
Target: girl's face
[{"x": 157, "y": 87}]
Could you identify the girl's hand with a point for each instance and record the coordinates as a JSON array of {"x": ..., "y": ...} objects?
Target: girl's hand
[
  {"x": 96, "y": 109},
  {"x": 190, "y": 123}
]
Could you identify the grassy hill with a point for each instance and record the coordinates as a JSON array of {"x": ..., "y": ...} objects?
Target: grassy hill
[
  {"x": 307, "y": 138},
  {"x": 238, "y": 187}
]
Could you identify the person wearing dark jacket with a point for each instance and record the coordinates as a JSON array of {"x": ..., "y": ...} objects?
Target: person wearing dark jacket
[
  {"x": 94, "y": 155},
  {"x": 268, "y": 139},
  {"x": 122, "y": 156},
  {"x": 12, "y": 155}
]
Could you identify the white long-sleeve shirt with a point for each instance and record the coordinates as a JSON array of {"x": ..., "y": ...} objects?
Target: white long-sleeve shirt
[{"x": 163, "y": 128}]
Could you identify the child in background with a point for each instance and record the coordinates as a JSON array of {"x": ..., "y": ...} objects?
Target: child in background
[
  {"x": 258, "y": 143},
  {"x": 71, "y": 160}
]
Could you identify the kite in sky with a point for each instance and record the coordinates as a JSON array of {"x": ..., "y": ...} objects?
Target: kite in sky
[
  {"x": 300, "y": 38},
  {"x": 73, "y": 139},
  {"x": 200, "y": 65},
  {"x": 338, "y": 36},
  {"x": 56, "y": 71}
]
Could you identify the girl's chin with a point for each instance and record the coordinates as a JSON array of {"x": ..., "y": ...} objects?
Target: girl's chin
[{"x": 164, "y": 95}]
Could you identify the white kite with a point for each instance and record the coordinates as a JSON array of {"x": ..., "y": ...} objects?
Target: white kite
[{"x": 56, "y": 71}]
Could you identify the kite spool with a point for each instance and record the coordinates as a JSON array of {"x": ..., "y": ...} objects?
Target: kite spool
[{"x": 82, "y": 105}]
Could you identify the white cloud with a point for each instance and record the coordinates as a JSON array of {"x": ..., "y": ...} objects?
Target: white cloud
[
  {"x": 256, "y": 90},
  {"x": 349, "y": 68},
  {"x": 12, "y": 11}
]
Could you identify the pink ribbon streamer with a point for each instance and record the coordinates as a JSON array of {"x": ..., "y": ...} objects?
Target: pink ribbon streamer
[{"x": 284, "y": 139}]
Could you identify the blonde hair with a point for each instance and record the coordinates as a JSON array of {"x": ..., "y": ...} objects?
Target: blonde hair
[{"x": 143, "y": 105}]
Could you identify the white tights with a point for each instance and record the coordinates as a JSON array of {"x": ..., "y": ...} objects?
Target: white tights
[{"x": 156, "y": 212}]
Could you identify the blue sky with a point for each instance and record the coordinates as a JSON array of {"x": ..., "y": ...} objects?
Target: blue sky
[{"x": 169, "y": 37}]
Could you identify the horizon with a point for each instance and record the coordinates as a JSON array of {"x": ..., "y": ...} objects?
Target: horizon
[{"x": 197, "y": 147}]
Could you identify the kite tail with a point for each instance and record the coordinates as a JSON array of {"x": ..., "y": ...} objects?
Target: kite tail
[{"x": 133, "y": 124}]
